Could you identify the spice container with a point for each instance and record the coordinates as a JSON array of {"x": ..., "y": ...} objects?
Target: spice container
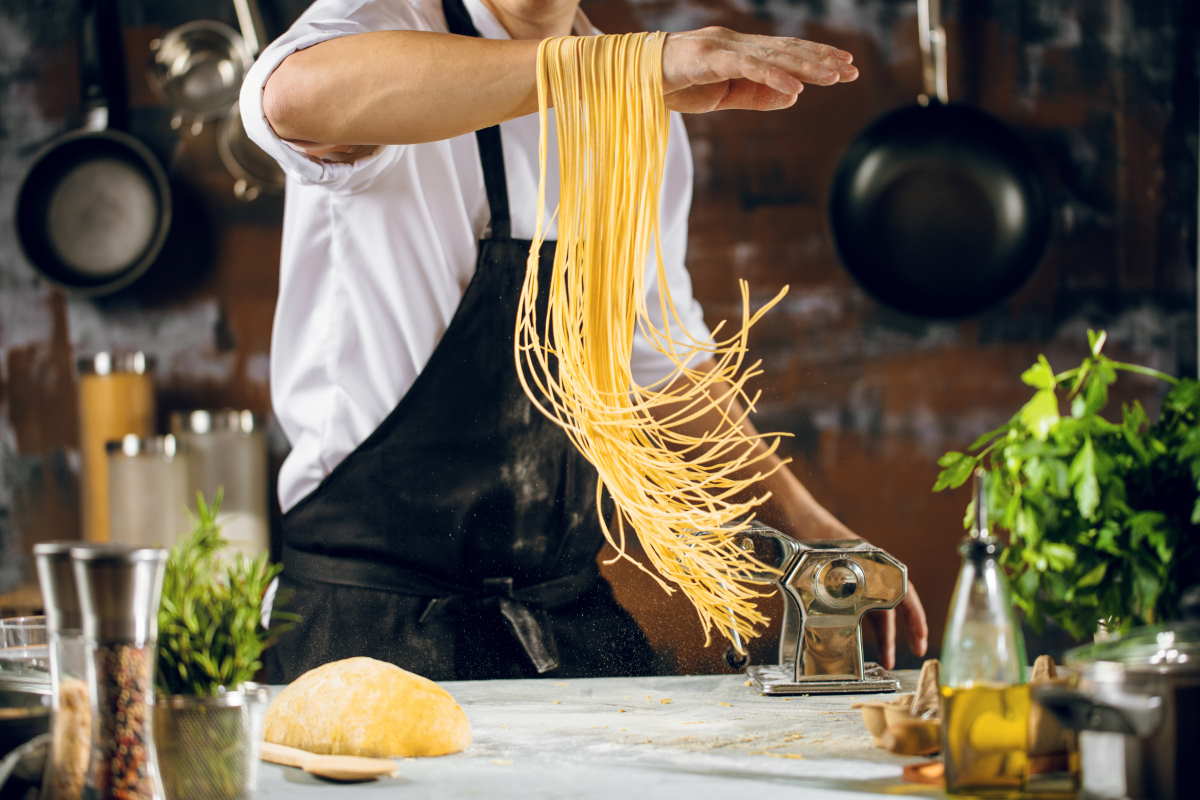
[
  {"x": 71, "y": 728},
  {"x": 227, "y": 452},
  {"x": 148, "y": 491},
  {"x": 116, "y": 397},
  {"x": 119, "y": 592}
]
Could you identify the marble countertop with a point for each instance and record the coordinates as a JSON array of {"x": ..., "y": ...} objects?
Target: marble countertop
[{"x": 643, "y": 738}]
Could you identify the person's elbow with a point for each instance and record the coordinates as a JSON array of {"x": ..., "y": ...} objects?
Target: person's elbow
[{"x": 287, "y": 98}]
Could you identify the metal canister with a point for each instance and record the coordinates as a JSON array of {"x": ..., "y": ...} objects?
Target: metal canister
[
  {"x": 227, "y": 454},
  {"x": 116, "y": 397},
  {"x": 119, "y": 591}
]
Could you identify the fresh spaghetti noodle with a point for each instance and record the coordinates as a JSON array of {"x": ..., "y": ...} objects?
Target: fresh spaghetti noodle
[{"x": 685, "y": 495}]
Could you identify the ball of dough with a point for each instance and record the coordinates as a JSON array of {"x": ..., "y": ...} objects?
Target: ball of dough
[{"x": 364, "y": 707}]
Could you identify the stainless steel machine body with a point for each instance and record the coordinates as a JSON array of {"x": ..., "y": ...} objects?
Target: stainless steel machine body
[{"x": 826, "y": 589}]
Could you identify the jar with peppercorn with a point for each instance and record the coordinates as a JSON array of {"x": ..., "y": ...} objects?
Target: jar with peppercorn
[{"x": 119, "y": 592}]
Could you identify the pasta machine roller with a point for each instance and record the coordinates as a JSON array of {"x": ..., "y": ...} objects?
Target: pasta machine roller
[{"x": 826, "y": 589}]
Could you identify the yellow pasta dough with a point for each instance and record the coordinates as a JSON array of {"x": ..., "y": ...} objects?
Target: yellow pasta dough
[
  {"x": 364, "y": 707},
  {"x": 685, "y": 495}
]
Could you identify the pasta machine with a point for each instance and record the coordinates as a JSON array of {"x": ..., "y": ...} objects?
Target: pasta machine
[{"x": 826, "y": 588}]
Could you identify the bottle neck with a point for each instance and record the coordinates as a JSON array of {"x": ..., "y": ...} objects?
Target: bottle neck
[{"x": 979, "y": 549}]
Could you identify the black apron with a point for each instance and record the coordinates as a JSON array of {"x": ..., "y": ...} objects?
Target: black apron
[{"x": 459, "y": 541}]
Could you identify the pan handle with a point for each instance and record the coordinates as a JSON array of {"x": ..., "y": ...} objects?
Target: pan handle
[
  {"x": 251, "y": 24},
  {"x": 102, "y": 66},
  {"x": 932, "y": 38}
]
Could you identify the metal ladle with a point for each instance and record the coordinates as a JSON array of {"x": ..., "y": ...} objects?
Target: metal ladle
[
  {"x": 198, "y": 69},
  {"x": 254, "y": 172}
]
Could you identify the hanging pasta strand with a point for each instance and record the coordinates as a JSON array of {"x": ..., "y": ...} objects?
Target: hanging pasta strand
[{"x": 684, "y": 495}]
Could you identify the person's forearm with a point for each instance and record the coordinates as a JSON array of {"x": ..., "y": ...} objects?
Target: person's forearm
[
  {"x": 791, "y": 507},
  {"x": 400, "y": 87}
]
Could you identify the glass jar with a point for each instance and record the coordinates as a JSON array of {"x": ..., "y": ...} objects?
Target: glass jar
[
  {"x": 148, "y": 491},
  {"x": 227, "y": 453},
  {"x": 116, "y": 397}
]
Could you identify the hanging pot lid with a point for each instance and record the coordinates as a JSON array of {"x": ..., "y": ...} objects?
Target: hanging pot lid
[{"x": 1172, "y": 648}]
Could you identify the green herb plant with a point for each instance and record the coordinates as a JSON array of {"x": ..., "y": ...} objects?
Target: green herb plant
[
  {"x": 210, "y": 631},
  {"x": 1103, "y": 516}
]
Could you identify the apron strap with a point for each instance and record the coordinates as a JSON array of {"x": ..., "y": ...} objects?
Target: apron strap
[
  {"x": 491, "y": 151},
  {"x": 523, "y": 609}
]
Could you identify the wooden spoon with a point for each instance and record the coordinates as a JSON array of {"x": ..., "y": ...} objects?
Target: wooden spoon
[{"x": 338, "y": 768}]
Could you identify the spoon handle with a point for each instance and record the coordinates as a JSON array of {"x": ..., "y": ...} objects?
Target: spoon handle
[
  {"x": 283, "y": 755},
  {"x": 342, "y": 768}
]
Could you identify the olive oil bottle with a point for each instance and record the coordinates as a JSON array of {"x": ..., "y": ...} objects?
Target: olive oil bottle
[{"x": 985, "y": 701}]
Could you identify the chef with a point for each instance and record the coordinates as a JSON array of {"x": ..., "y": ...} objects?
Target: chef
[{"x": 432, "y": 517}]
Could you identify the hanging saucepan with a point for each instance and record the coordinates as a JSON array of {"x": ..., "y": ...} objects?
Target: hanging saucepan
[
  {"x": 938, "y": 209},
  {"x": 254, "y": 172},
  {"x": 198, "y": 69},
  {"x": 94, "y": 207}
]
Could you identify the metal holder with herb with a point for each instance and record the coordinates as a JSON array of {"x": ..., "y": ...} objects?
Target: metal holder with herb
[
  {"x": 1104, "y": 516},
  {"x": 208, "y": 718}
]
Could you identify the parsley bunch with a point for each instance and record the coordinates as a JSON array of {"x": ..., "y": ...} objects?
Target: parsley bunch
[
  {"x": 1103, "y": 516},
  {"x": 210, "y": 631}
]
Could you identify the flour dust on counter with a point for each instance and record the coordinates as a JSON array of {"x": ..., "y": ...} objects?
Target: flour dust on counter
[{"x": 604, "y": 738}]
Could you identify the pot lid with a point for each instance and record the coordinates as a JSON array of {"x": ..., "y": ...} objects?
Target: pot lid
[{"x": 1169, "y": 648}]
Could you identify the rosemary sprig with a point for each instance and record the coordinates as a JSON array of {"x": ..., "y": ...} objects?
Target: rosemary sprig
[{"x": 210, "y": 631}]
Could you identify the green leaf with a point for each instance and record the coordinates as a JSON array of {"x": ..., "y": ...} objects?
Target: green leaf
[
  {"x": 1094, "y": 575},
  {"x": 1096, "y": 395},
  {"x": 989, "y": 436},
  {"x": 1058, "y": 555},
  {"x": 1107, "y": 536},
  {"x": 950, "y": 459},
  {"x": 1040, "y": 375},
  {"x": 1082, "y": 474},
  {"x": 1040, "y": 414},
  {"x": 1096, "y": 340},
  {"x": 956, "y": 469}
]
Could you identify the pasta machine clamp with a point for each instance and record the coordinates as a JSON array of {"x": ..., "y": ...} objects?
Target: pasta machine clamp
[{"x": 826, "y": 589}]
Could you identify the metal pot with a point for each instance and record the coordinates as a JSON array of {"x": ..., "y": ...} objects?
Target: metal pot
[{"x": 1137, "y": 710}]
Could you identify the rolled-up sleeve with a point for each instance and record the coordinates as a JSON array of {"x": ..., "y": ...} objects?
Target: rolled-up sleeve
[
  {"x": 649, "y": 365},
  {"x": 324, "y": 20}
]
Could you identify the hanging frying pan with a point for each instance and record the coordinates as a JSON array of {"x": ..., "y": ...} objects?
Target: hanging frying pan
[
  {"x": 94, "y": 207},
  {"x": 938, "y": 209}
]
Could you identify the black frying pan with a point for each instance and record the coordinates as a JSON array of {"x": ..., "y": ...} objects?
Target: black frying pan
[
  {"x": 94, "y": 207},
  {"x": 938, "y": 209}
]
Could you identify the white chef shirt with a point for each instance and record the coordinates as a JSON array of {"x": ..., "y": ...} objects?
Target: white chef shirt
[{"x": 377, "y": 253}]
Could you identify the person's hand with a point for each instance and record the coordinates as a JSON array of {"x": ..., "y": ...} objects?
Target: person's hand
[
  {"x": 714, "y": 68},
  {"x": 912, "y": 617}
]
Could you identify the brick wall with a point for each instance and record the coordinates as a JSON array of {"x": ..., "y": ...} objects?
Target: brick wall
[{"x": 1105, "y": 93}]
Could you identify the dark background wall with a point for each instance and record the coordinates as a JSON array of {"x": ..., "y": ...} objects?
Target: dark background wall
[{"x": 1105, "y": 92}]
